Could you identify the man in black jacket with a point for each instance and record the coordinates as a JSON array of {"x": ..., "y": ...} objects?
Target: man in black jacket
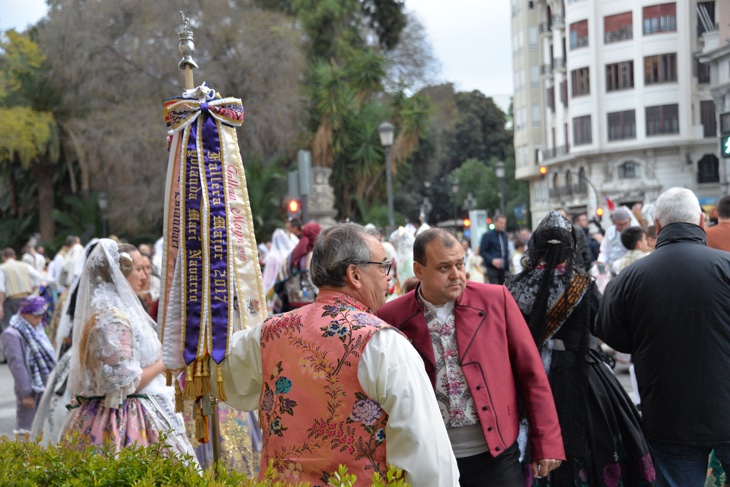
[
  {"x": 671, "y": 312},
  {"x": 494, "y": 251}
]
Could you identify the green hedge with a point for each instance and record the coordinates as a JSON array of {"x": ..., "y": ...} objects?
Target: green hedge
[{"x": 25, "y": 464}]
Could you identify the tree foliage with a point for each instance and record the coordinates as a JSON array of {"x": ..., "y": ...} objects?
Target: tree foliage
[{"x": 115, "y": 62}]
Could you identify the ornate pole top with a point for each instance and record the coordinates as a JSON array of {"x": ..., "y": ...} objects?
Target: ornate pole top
[{"x": 186, "y": 46}]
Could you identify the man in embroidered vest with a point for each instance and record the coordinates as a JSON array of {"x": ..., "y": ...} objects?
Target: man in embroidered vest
[
  {"x": 336, "y": 385},
  {"x": 17, "y": 281},
  {"x": 480, "y": 357}
]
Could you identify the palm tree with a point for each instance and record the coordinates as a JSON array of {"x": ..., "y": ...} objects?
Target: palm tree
[{"x": 28, "y": 132}]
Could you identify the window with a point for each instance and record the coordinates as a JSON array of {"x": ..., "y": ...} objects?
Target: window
[
  {"x": 564, "y": 93},
  {"x": 581, "y": 180},
  {"x": 582, "y": 130},
  {"x": 620, "y": 76},
  {"x": 628, "y": 170},
  {"x": 580, "y": 81},
  {"x": 619, "y": 27},
  {"x": 708, "y": 169},
  {"x": 660, "y": 69},
  {"x": 707, "y": 115},
  {"x": 660, "y": 18},
  {"x": 536, "y": 115},
  {"x": 705, "y": 17},
  {"x": 534, "y": 76},
  {"x": 579, "y": 34},
  {"x": 622, "y": 125},
  {"x": 532, "y": 33},
  {"x": 550, "y": 95},
  {"x": 662, "y": 119},
  {"x": 703, "y": 72}
]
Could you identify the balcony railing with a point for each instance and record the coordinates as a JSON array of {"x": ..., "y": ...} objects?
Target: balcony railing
[
  {"x": 570, "y": 190},
  {"x": 552, "y": 153}
]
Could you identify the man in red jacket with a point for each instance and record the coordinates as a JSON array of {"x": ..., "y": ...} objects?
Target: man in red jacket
[{"x": 480, "y": 357}]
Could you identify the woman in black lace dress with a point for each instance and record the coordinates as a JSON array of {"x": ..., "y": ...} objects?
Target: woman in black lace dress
[{"x": 600, "y": 425}]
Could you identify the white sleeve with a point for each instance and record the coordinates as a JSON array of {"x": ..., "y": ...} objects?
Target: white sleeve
[
  {"x": 2, "y": 282},
  {"x": 36, "y": 276},
  {"x": 242, "y": 374},
  {"x": 604, "y": 248},
  {"x": 392, "y": 373}
]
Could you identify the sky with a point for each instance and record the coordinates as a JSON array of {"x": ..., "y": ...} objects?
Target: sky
[{"x": 471, "y": 39}]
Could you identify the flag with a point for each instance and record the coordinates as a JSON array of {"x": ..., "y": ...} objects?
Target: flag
[{"x": 611, "y": 205}]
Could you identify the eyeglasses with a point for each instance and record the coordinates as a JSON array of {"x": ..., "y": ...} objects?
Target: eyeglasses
[{"x": 385, "y": 266}]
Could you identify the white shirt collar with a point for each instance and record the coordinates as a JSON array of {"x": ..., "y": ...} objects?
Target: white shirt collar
[{"x": 442, "y": 312}]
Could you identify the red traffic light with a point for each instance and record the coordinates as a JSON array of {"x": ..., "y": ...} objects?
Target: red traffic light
[{"x": 489, "y": 220}]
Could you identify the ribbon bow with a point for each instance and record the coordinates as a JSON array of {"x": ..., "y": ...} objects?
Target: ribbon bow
[{"x": 182, "y": 111}]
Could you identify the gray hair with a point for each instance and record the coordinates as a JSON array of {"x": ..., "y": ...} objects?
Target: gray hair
[
  {"x": 677, "y": 205},
  {"x": 336, "y": 248}
]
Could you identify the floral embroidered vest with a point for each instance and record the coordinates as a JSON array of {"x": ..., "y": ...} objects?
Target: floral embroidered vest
[{"x": 313, "y": 412}]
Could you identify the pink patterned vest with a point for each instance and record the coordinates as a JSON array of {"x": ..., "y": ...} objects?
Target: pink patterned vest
[{"x": 313, "y": 412}]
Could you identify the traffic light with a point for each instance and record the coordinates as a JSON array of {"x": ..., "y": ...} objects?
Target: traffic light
[
  {"x": 543, "y": 172},
  {"x": 599, "y": 212},
  {"x": 725, "y": 145},
  {"x": 467, "y": 223},
  {"x": 292, "y": 207}
]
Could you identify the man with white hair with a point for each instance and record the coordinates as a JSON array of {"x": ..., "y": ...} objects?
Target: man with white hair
[
  {"x": 670, "y": 311},
  {"x": 611, "y": 247}
]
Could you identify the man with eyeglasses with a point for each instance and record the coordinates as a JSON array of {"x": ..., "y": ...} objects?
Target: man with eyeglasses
[
  {"x": 480, "y": 357},
  {"x": 334, "y": 384}
]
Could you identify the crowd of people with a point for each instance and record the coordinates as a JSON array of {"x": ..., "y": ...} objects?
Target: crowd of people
[{"x": 459, "y": 365}]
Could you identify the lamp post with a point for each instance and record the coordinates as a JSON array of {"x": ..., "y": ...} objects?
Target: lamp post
[
  {"x": 386, "y": 131},
  {"x": 469, "y": 202},
  {"x": 455, "y": 190},
  {"x": 499, "y": 171},
  {"x": 103, "y": 202}
]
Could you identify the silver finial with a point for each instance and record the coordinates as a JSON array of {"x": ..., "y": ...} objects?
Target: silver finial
[{"x": 186, "y": 46}]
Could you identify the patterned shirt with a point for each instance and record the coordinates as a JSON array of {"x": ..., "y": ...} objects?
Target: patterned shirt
[{"x": 452, "y": 391}]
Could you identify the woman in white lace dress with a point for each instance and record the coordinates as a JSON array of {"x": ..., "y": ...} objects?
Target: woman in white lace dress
[{"x": 120, "y": 396}]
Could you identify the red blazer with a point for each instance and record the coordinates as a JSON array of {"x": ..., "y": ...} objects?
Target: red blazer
[{"x": 499, "y": 359}]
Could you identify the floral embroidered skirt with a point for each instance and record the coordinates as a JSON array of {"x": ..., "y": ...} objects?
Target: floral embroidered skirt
[{"x": 138, "y": 421}]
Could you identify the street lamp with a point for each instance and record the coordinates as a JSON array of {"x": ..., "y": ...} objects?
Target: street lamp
[
  {"x": 469, "y": 202},
  {"x": 499, "y": 171},
  {"x": 455, "y": 190},
  {"x": 103, "y": 202},
  {"x": 386, "y": 131}
]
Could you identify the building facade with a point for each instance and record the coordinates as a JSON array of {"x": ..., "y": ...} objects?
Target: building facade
[{"x": 624, "y": 107}]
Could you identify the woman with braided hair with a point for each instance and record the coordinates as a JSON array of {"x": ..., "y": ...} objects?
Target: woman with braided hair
[{"x": 600, "y": 425}]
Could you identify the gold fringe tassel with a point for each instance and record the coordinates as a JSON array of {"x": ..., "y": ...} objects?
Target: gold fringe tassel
[
  {"x": 168, "y": 377},
  {"x": 201, "y": 425},
  {"x": 219, "y": 381},
  {"x": 178, "y": 398},
  {"x": 205, "y": 379},
  {"x": 189, "y": 378}
]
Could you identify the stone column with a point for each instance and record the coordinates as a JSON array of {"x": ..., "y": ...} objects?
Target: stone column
[{"x": 322, "y": 197}]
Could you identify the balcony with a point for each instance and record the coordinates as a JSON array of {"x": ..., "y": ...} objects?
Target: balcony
[
  {"x": 554, "y": 152},
  {"x": 566, "y": 192}
]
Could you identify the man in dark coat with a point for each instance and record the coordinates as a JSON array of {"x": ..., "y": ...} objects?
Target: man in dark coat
[
  {"x": 494, "y": 251},
  {"x": 671, "y": 312}
]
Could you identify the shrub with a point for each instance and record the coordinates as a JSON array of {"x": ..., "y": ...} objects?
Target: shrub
[{"x": 26, "y": 464}]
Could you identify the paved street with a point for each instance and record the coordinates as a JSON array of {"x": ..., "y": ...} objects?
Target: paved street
[{"x": 7, "y": 396}]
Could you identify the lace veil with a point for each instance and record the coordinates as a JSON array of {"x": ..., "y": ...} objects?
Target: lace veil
[{"x": 104, "y": 300}]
